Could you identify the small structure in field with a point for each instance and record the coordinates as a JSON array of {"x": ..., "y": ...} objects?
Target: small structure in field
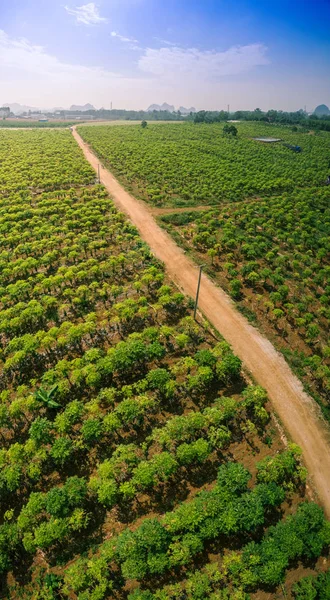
[
  {"x": 294, "y": 148},
  {"x": 267, "y": 140}
]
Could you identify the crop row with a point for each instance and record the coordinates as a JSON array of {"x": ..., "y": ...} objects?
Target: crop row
[
  {"x": 272, "y": 256},
  {"x": 72, "y": 498},
  {"x": 184, "y": 165},
  {"x": 106, "y": 380},
  {"x": 46, "y": 160},
  {"x": 157, "y": 545},
  {"x": 301, "y": 536},
  {"x": 53, "y": 437}
]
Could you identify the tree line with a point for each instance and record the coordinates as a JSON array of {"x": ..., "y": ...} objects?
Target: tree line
[{"x": 280, "y": 117}]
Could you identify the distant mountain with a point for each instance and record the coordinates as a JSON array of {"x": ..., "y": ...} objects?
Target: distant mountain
[
  {"x": 187, "y": 111},
  {"x": 18, "y": 109},
  {"x": 76, "y": 107},
  {"x": 322, "y": 110},
  {"x": 168, "y": 107}
]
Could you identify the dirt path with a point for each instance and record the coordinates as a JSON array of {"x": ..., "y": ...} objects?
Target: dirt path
[
  {"x": 169, "y": 211},
  {"x": 158, "y": 212},
  {"x": 297, "y": 411}
]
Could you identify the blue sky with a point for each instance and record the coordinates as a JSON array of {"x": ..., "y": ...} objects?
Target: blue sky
[{"x": 272, "y": 54}]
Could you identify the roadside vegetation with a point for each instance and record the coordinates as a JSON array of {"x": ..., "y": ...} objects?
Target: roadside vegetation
[
  {"x": 272, "y": 257},
  {"x": 136, "y": 460}
]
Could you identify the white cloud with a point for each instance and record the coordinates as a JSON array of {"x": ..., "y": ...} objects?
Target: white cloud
[
  {"x": 30, "y": 59},
  {"x": 172, "y": 63},
  {"x": 87, "y": 14},
  {"x": 30, "y": 75},
  {"x": 166, "y": 42},
  {"x": 122, "y": 38}
]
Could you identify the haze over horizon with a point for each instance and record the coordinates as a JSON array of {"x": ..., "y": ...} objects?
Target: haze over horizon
[{"x": 137, "y": 52}]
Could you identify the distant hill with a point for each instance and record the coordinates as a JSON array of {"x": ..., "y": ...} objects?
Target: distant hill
[
  {"x": 18, "y": 109},
  {"x": 322, "y": 110},
  {"x": 187, "y": 111},
  {"x": 76, "y": 107},
  {"x": 168, "y": 107}
]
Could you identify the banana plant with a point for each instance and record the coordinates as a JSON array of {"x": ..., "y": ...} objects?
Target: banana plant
[{"x": 47, "y": 396}]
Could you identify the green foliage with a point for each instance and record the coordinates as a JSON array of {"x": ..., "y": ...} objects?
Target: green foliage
[
  {"x": 49, "y": 517},
  {"x": 313, "y": 588},
  {"x": 230, "y": 130},
  {"x": 137, "y": 550},
  {"x": 204, "y": 166},
  {"x": 62, "y": 450},
  {"x": 9, "y": 538},
  {"x": 159, "y": 468},
  {"x": 40, "y": 430},
  {"x": 196, "y": 452},
  {"x": 226, "y": 509},
  {"x": 279, "y": 468},
  {"x": 105, "y": 374},
  {"x": 20, "y": 168},
  {"x": 47, "y": 397},
  {"x": 302, "y": 535},
  {"x": 272, "y": 258}
]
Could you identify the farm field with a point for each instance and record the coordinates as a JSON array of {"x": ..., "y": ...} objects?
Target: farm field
[
  {"x": 270, "y": 252},
  {"x": 136, "y": 461},
  {"x": 272, "y": 257},
  {"x": 31, "y": 124},
  {"x": 116, "y": 122},
  {"x": 192, "y": 165},
  {"x": 40, "y": 160}
]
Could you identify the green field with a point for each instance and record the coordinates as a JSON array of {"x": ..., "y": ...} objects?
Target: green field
[
  {"x": 194, "y": 165},
  {"x": 272, "y": 256},
  {"x": 27, "y": 124},
  {"x": 267, "y": 239},
  {"x": 136, "y": 461},
  {"x": 40, "y": 160}
]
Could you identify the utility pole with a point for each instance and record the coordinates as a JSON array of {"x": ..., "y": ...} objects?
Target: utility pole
[
  {"x": 98, "y": 173},
  {"x": 228, "y": 110},
  {"x": 198, "y": 288},
  {"x": 111, "y": 105}
]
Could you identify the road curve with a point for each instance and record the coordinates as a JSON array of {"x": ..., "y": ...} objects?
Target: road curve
[{"x": 298, "y": 412}]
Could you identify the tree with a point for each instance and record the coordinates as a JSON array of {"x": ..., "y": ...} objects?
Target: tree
[
  {"x": 9, "y": 538},
  {"x": 313, "y": 588},
  {"x": 4, "y": 112},
  {"x": 40, "y": 430},
  {"x": 91, "y": 430},
  {"x": 196, "y": 452},
  {"x": 230, "y": 130},
  {"x": 235, "y": 288},
  {"x": 144, "y": 124},
  {"x": 138, "y": 550},
  {"x": 62, "y": 450}
]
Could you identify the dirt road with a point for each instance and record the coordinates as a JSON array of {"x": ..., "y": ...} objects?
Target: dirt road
[
  {"x": 169, "y": 211},
  {"x": 297, "y": 411}
]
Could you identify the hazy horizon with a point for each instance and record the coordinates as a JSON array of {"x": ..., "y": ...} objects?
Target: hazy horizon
[{"x": 134, "y": 53}]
